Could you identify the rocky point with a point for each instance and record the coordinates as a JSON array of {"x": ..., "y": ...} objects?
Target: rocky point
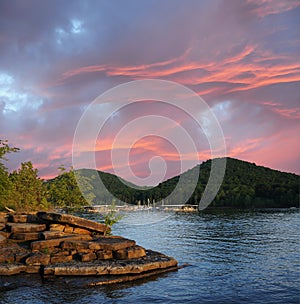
[{"x": 55, "y": 244}]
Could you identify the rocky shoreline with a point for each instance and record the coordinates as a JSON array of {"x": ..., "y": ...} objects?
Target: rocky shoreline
[{"x": 56, "y": 245}]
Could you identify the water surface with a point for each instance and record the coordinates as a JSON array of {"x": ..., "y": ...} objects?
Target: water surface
[{"x": 240, "y": 257}]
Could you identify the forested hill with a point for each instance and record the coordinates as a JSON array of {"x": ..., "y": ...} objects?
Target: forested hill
[{"x": 245, "y": 185}]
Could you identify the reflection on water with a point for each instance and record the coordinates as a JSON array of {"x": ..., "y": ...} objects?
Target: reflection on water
[{"x": 237, "y": 257}]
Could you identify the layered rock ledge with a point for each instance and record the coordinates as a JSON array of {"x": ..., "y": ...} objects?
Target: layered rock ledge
[{"x": 54, "y": 244}]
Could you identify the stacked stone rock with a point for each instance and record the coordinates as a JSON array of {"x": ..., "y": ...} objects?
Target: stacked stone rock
[{"x": 62, "y": 244}]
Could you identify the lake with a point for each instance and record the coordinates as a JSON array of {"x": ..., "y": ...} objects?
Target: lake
[{"x": 234, "y": 257}]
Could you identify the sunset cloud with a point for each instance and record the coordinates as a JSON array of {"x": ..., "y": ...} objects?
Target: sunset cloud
[
  {"x": 242, "y": 57},
  {"x": 263, "y": 8}
]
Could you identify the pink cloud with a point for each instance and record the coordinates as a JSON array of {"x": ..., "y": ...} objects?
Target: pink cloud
[
  {"x": 263, "y": 8},
  {"x": 244, "y": 147},
  {"x": 291, "y": 113},
  {"x": 227, "y": 70},
  {"x": 278, "y": 151}
]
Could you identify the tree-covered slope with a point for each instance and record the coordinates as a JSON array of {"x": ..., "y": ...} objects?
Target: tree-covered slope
[{"x": 245, "y": 185}]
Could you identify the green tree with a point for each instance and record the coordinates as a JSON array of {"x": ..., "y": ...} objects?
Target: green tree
[
  {"x": 28, "y": 189},
  {"x": 5, "y": 149},
  {"x": 64, "y": 192},
  {"x": 6, "y": 187}
]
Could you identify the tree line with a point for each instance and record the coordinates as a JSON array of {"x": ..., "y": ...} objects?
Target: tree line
[{"x": 23, "y": 190}]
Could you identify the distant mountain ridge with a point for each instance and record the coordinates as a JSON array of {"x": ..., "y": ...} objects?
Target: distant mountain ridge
[{"x": 245, "y": 185}]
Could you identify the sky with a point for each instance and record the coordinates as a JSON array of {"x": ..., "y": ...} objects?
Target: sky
[{"x": 241, "y": 57}]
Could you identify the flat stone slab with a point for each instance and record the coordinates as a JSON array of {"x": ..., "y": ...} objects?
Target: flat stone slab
[
  {"x": 100, "y": 243},
  {"x": 25, "y": 227},
  {"x": 61, "y": 259},
  {"x": 81, "y": 231},
  {"x": 37, "y": 245},
  {"x": 152, "y": 261},
  {"x": 24, "y": 218},
  {"x": 29, "y": 236},
  {"x": 12, "y": 269},
  {"x": 114, "y": 279},
  {"x": 111, "y": 243},
  {"x": 47, "y": 235},
  {"x": 73, "y": 220}
]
